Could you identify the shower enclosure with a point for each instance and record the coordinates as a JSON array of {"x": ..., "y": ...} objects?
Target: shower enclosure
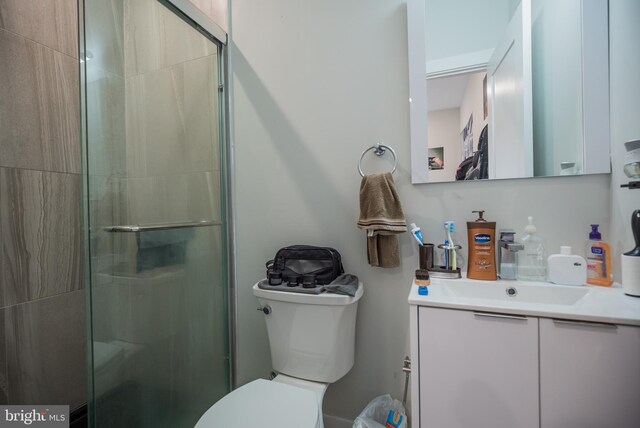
[{"x": 156, "y": 229}]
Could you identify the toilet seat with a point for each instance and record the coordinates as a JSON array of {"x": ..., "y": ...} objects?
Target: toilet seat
[{"x": 262, "y": 403}]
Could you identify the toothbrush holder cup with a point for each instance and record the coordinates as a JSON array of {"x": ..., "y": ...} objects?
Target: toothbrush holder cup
[{"x": 426, "y": 256}]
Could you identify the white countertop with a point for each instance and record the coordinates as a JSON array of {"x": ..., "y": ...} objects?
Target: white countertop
[{"x": 599, "y": 304}]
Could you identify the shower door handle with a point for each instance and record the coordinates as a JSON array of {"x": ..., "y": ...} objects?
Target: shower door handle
[{"x": 160, "y": 226}]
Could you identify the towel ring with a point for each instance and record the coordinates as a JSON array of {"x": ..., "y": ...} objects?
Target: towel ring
[{"x": 379, "y": 150}]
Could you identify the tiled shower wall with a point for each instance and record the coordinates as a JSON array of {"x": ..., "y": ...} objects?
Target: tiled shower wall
[{"x": 42, "y": 316}]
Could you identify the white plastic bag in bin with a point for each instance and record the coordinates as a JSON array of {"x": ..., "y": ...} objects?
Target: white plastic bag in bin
[{"x": 377, "y": 411}]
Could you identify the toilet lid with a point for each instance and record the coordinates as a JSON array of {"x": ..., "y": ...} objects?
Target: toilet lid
[{"x": 262, "y": 403}]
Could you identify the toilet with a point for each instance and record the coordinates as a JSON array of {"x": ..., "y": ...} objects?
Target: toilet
[{"x": 312, "y": 341}]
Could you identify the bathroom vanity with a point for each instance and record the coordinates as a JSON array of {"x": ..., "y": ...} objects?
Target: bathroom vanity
[{"x": 524, "y": 354}]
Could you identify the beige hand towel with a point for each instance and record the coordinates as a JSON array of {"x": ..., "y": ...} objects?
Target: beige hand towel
[{"x": 382, "y": 217}]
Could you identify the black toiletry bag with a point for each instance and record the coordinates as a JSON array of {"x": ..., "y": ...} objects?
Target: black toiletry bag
[{"x": 297, "y": 260}]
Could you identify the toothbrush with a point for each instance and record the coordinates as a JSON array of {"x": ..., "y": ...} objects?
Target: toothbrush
[
  {"x": 449, "y": 225},
  {"x": 417, "y": 234},
  {"x": 446, "y": 255}
]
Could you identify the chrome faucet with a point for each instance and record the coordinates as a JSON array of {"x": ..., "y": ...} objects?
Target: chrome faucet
[{"x": 507, "y": 257}]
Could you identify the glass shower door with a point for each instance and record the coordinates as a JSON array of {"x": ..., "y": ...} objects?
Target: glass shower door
[{"x": 155, "y": 212}]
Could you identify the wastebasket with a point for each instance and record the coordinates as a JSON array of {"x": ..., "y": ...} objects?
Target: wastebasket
[{"x": 380, "y": 411}]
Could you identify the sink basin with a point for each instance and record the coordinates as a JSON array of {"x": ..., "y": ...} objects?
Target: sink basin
[{"x": 543, "y": 293}]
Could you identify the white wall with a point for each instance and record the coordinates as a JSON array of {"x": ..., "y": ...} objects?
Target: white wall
[
  {"x": 444, "y": 131},
  {"x": 315, "y": 83},
  {"x": 624, "y": 35},
  {"x": 473, "y": 103}
]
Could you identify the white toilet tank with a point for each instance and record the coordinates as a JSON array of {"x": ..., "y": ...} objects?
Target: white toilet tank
[{"x": 311, "y": 336}]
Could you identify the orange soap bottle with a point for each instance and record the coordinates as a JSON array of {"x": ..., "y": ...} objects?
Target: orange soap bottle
[{"x": 598, "y": 255}]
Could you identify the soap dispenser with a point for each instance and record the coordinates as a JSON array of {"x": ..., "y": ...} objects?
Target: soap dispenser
[
  {"x": 598, "y": 254},
  {"x": 532, "y": 261}
]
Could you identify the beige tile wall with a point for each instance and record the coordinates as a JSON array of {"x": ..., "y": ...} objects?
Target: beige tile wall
[
  {"x": 172, "y": 119},
  {"x": 156, "y": 38},
  {"x": 52, "y": 23},
  {"x": 214, "y": 9},
  {"x": 172, "y": 149},
  {"x": 42, "y": 321},
  {"x": 39, "y": 217},
  {"x": 38, "y": 106},
  {"x": 104, "y": 31}
]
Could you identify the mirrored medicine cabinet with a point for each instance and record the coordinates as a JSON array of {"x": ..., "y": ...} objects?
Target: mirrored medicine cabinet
[{"x": 508, "y": 88}]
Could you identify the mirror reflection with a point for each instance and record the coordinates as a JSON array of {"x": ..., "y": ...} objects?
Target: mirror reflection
[{"x": 515, "y": 89}]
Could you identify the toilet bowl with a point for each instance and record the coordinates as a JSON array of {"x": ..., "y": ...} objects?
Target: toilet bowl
[
  {"x": 282, "y": 402},
  {"x": 312, "y": 343}
]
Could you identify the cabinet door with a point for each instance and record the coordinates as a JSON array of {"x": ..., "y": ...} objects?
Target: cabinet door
[
  {"x": 589, "y": 375},
  {"x": 477, "y": 370}
]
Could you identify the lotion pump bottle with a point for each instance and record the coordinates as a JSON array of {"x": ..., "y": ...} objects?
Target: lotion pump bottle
[
  {"x": 599, "y": 269},
  {"x": 532, "y": 261},
  {"x": 482, "y": 249}
]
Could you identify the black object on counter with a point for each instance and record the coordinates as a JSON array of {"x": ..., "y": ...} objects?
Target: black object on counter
[{"x": 635, "y": 228}]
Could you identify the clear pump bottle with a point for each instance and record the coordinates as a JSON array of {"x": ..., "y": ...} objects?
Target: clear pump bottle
[{"x": 532, "y": 260}]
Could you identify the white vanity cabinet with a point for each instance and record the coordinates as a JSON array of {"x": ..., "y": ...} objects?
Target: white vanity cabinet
[
  {"x": 486, "y": 361},
  {"x": 477, "y": 369},
  {"x": 589, "y": 375}
]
